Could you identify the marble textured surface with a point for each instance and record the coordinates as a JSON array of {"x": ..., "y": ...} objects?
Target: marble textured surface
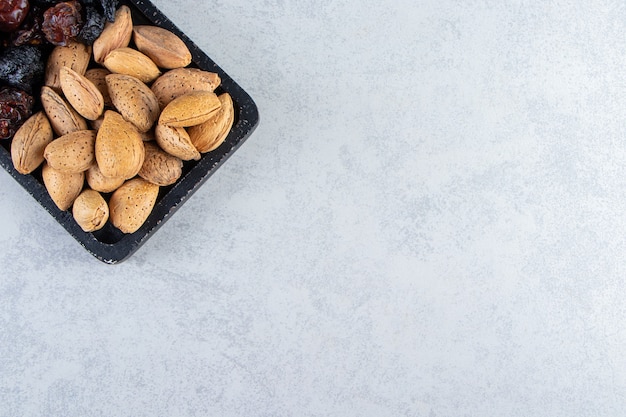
[{"x": 428, "y": 221}]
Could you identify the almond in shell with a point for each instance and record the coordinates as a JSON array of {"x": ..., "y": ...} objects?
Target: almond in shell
[
  {"x": 90, "y": 210},
  {"x": 95, "y": 124},
  {"x": 116, "y": 34},
  {"x": 119, "y": 148},
  {"x": 62, "y": 187},
  {"x": 209, "y": 135},
  {"x": 73, "y": 152},
  {"x": 133, "y": 100},
  {"x": 74, "y": 55},
  {"x": 147, "y": 136},
  {"x": 99, "y": 182},
  {"x": 159, "y": 167},
  {"x": 190, "y": 109},
  {"x": 132, "y": 62},
  {"x": 131, "y": 204},
  {"x": 29, "y": 143},
  {"x": 181, "y": 81},
  {"x": 165, "y": 48},
  {"x": 176, "y": 141},
  {"x": 63, "y": 118},
  {"x": 97, "y": 77},
  {"x": 81, "y": 93}
]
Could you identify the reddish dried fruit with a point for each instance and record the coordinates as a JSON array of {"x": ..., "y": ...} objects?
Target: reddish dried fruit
[
  {"x": 15, "y": 107},
  {"x": 12, "y": 14},
  {"x": 62, "y": 22},
  {"x": 45, "y": 3},
  {"x": 29, "y": 33}
]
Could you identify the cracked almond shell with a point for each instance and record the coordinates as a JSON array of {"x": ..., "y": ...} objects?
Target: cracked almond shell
[
  {"x": 190, "y": 109},
  {"x": 209, "y": 135},
  {"x": 176, "y": 141}
]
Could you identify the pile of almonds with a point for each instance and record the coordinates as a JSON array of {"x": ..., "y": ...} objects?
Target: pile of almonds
[{"x": 118, "y": 122}]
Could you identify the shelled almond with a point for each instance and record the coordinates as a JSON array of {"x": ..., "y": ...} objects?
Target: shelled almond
[{"x": 103, "y": 106}]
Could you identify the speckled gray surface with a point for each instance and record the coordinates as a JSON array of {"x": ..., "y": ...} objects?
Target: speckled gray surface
[{"x": 428, "y": 221}]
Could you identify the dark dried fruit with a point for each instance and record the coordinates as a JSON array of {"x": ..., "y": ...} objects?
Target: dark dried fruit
[
  {"x": 94, "y": 24},
  {"x": 62, "y": 22},
  {"x": 12, "y": 14},
  {"x": 15, "y": 107},
  {"x": 22, "y": 67},
  {"x": 108, "y": 8}
]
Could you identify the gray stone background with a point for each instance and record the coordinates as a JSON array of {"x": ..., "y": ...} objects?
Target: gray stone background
[{"x": 428, "y": 221}]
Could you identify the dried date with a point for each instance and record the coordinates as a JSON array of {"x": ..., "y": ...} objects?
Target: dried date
[
  {"x": 62, "y": 22},
  {"x": 30, "y": 33},
  {"x": 12, "y": 14}
]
